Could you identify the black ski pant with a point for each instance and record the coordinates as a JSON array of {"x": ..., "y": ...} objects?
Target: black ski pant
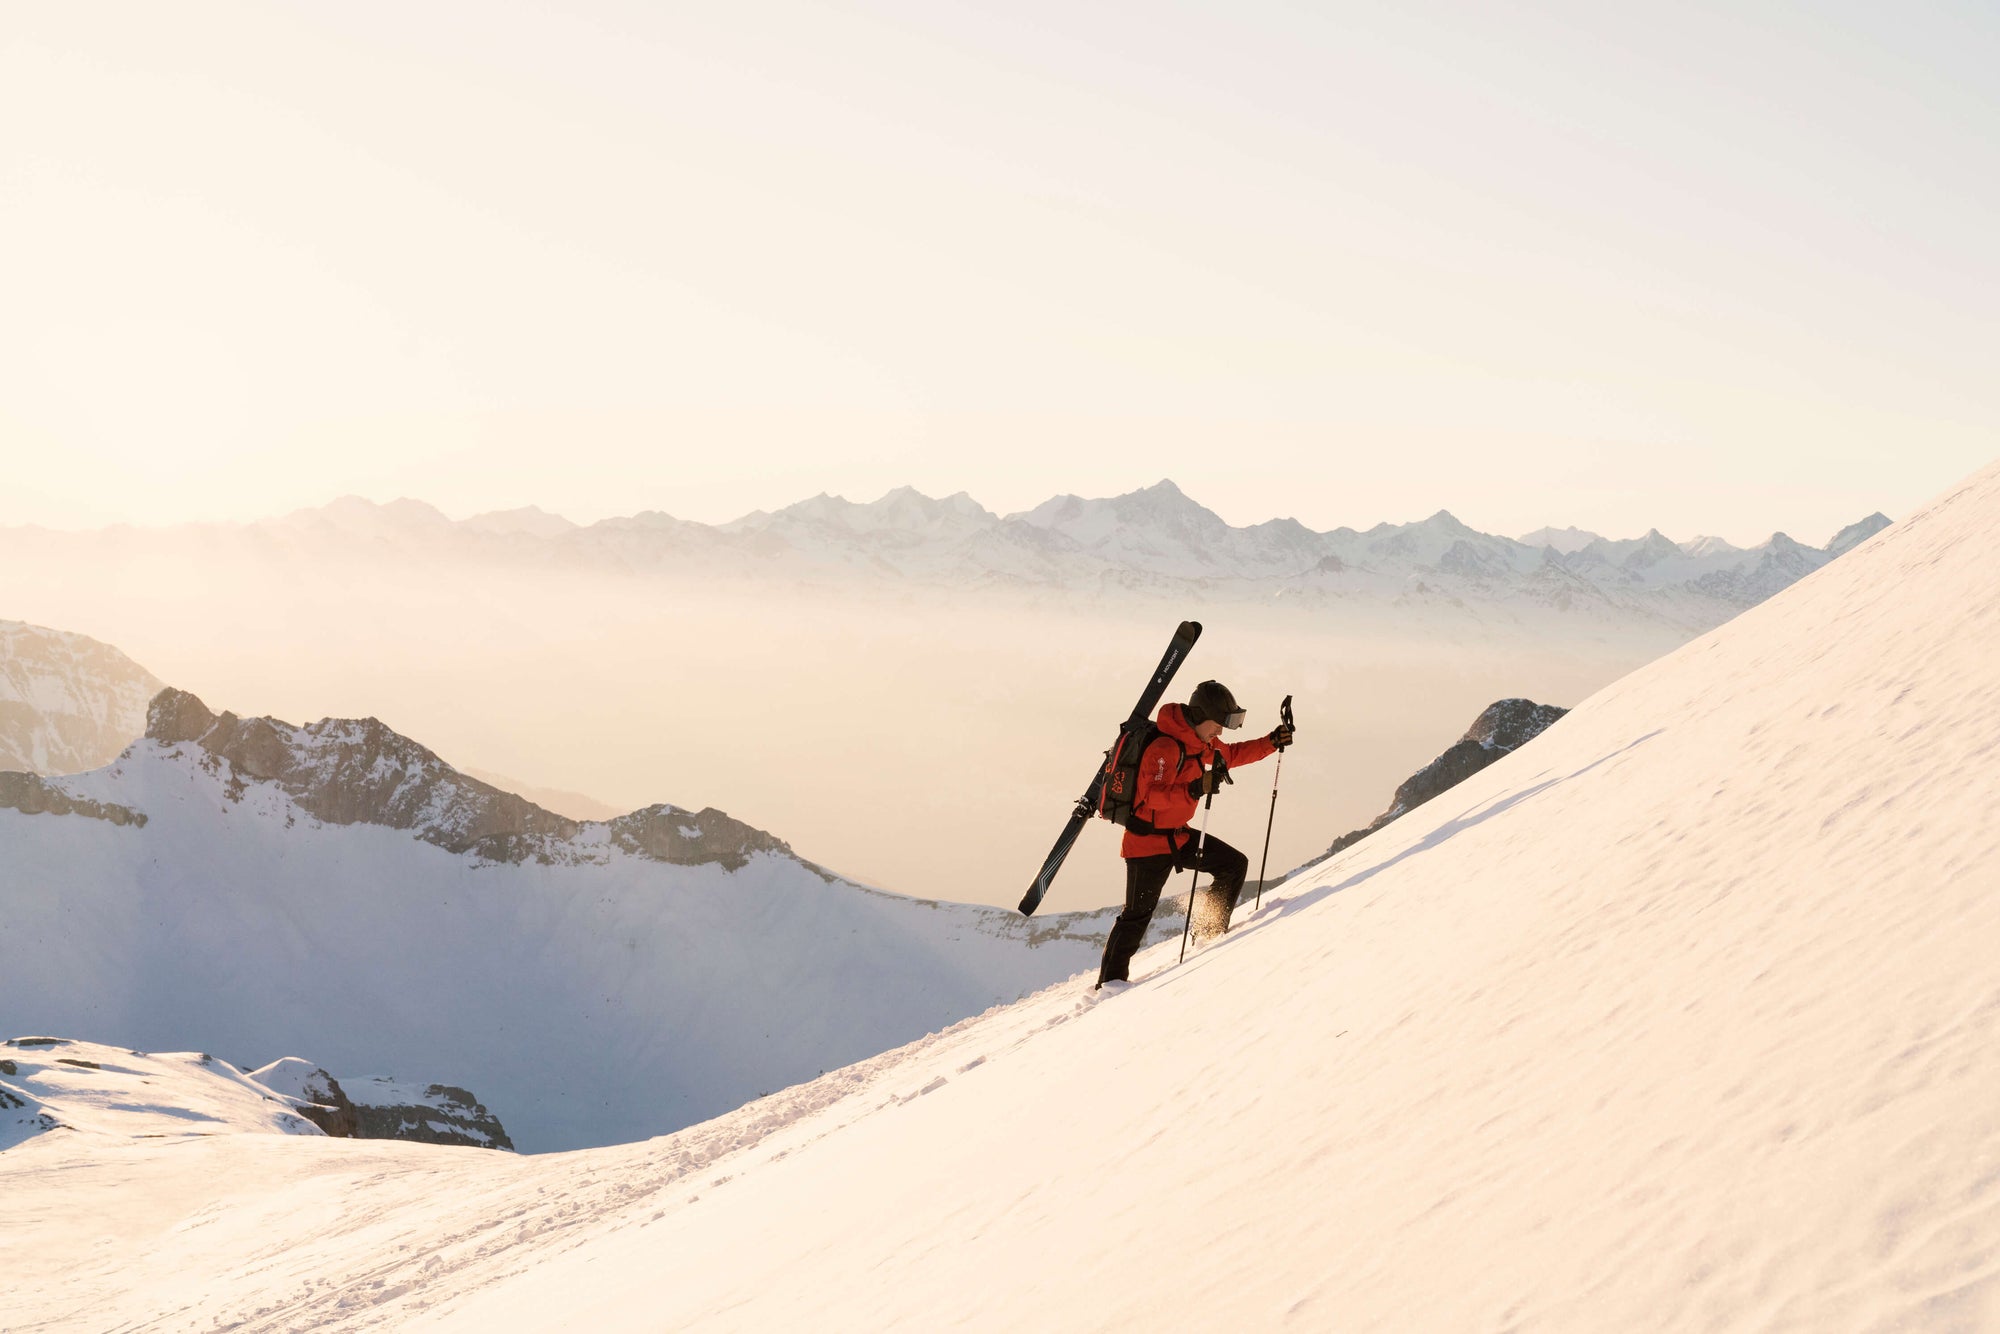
[{"x": 1145, "y": 877}]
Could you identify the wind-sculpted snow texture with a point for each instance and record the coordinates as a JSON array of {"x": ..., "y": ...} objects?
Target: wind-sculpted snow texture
[
  {"x": 1500, "y": 729},
  {"x": 67, "y": 702},
  {"x": 263, "y": 888},
  {"x": 1682, "y": 1017}
]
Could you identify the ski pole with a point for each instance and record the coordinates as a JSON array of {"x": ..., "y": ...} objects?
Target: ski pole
[
  {"x": 1284, "y": 716},
  {"x": 1206, "y": 806}
]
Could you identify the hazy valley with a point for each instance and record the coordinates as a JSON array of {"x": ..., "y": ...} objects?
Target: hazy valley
[{"x": 911, "y": 691}]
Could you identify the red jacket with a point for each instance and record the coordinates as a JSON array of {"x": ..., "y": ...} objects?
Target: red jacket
[{"x": 1165, "y": 771}]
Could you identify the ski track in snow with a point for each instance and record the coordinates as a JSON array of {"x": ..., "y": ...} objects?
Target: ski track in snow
[{"x": 451, "y": 1221}]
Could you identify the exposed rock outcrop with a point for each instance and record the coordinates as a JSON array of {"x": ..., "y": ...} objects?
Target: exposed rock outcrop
[
  {"x": 382, "y": 1108},
  {"x": 668, "y": 834},
  {"x": 360, "y": 771},
  {"x": 32, "y": 794},
  {"x": 426, "y": 1113},
  {"x": 1499, "y": 730},
  {"x": 356, "y": 771},
  {"x": 175, "y": 715},
  {"x": 313, "y": 1093}
]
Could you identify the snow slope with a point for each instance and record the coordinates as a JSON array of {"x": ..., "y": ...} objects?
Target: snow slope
[
  {"x": 1683, "y": 1017},
  {"x": 93, "y": 1092},
  {"x": 340, "y": 890}
]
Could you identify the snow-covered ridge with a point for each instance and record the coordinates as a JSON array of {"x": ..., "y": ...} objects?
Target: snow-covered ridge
[
  {"x": 56, "y": 1084},
  {"x": 1157, "y": 537},
  {"x": 67, "y": 702},
  {"x": 51, "y": 1084},
  {"x": 340, "y": 889},
  {"x": 32, "y": 794},
  {"x": 1157, "y": 540},
  {"x": 359, "y": 771}
]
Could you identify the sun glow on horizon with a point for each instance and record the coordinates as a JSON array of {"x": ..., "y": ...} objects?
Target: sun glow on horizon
[{"x": 1715, "y": 271}]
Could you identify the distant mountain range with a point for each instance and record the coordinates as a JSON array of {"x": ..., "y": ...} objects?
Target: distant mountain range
[{"x": 1156, "y": 540}]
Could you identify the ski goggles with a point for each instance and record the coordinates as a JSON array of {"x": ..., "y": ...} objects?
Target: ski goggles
[{"x": 1234, "y": 719}]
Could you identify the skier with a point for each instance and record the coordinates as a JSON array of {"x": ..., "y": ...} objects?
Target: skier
[{"x": 1182, "y": 765}]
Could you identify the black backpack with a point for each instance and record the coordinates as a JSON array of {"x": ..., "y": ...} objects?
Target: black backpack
[{"x": 1120, "y": 787}]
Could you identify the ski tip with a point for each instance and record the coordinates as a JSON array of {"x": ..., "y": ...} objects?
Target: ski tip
[
  {"x": 1030, "y": 902},
  {"x": 1189, "y": 630}
]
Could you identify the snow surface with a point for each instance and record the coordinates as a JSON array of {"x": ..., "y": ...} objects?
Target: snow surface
[
  {"x": 596, "y": 997},
  {"x": 93, "y": 1093},
  {"x": 294, "y": 1077},
  {"x": 1683, "y": 1017}
]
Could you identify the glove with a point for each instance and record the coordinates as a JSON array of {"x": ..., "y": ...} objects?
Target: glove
[
  {"x": 1281, "y": 736},
  {"x": 1211, "y": 779}
]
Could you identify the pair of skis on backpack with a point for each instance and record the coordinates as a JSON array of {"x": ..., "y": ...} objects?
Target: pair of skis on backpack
[
  {"x": 1091, "y": 803},
  {"x": 1113, "y": 789}
]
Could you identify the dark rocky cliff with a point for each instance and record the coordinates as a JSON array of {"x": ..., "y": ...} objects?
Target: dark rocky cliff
[
  {"x": 31, "y": 794},
  {"x": 1500, "y": 729},
  {"x": 383, "y": 1108}
]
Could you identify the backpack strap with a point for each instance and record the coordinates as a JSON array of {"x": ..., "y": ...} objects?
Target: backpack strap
[{"x": 1146, "y": 827}]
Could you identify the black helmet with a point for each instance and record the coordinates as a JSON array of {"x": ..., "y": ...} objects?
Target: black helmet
[{"x": 1211, "y": 702}]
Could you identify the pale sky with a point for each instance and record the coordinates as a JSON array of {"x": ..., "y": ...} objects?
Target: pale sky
[{"x": 1712, "y": 268}]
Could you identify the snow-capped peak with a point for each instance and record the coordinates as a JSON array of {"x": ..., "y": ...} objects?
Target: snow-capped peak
[
  {"x": 359, "y": 516},
  {"x": 527, "y": 521},
  {"x": 1444, "y": 521},
  {"x": 1702, "y": 547},
  {"x": 1856, "y": 533},
  {"x": 1566, "y": 541},
  {"x": 904, "y": 512}
]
